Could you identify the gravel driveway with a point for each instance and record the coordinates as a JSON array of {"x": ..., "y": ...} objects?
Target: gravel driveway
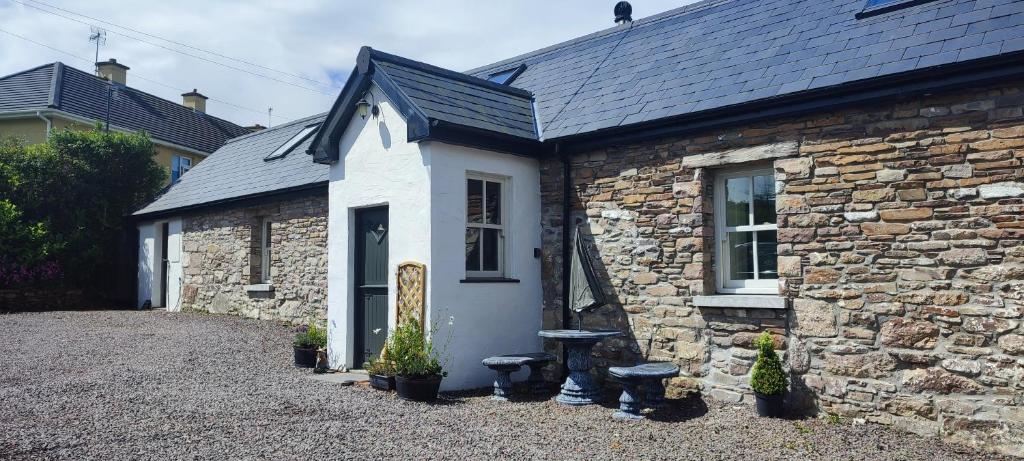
[{"x": 123, "y": 384}]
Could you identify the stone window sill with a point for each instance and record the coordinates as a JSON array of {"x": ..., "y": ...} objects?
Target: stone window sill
[
  {"x": 260, "y": 287},
  {"x": 741, "y": 301},
  {"x": 488, "y": 280}
]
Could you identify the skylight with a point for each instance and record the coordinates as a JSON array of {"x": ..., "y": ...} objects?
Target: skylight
[
  {"x": 506, "y": 76},
  {"x": 291, "y": 143},
  {"x": 876, "y": 7}
]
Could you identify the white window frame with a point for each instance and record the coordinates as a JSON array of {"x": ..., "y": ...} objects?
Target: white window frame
[
  {"x": 265, "y": 247},
  {"x": 184, "y": 164},
  {"x": 505, "y": 184},
  {"x": 723, "y": 283}
]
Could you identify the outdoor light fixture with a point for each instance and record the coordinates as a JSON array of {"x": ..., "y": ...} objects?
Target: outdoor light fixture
[{"x": 364, "y": 108}]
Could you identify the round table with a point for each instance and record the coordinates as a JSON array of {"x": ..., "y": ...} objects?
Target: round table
[{"x": 579, "y": 387}]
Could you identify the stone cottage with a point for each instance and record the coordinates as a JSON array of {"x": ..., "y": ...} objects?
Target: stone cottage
[
  {"x": 243, "y": 233},
  {"x": 846, "y": 175}
]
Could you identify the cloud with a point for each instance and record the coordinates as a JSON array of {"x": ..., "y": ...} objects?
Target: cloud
[{"x": 315, "y": 39}]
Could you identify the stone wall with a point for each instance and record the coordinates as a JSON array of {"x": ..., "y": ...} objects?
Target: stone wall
[
  {"x": 900, "y": 255},
  {"x": 218, "y": 261}
]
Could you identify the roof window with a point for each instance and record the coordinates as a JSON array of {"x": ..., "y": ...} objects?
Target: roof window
[
  {"x": 506, "y": 76},
  {"x": 287, "y": 147},
  {"x": 876, "y": 7}
]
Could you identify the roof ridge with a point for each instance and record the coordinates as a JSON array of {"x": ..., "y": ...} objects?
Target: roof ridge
[
  {"x": 642, "y": 22},
  {"x": 272, "y": 129},
  {"x": 447, "y": 73},
  {"x": 29, "y": 70},
  {"x": 126, "y": 87}
]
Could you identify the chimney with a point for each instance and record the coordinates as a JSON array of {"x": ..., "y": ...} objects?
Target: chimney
[
  {"x": 113, "y": 71},
  {"x": 194, "y": 100},
  {"x": 623, "y": 13}
]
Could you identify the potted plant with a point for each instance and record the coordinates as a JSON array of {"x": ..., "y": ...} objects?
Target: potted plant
[
  {"x": 307, "y": 340},
  {"x": 382, "y": 374},
  {"x": 768, "y": 380},
  {"x": 418, "y": 372}
]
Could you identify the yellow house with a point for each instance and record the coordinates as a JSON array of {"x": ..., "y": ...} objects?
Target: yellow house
[{"x": 54, "y": 96}]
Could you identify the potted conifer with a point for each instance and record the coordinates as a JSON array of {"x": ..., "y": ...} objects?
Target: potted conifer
[
  {"x": 768, "y": 379},
  {"x": 307, "y": 340}
]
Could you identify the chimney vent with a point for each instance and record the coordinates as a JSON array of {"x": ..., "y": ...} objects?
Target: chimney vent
[
  {"x": 194, "y": 100},
  {"x": 623, "y": 13},
  {"x": 113, "y": 71}
]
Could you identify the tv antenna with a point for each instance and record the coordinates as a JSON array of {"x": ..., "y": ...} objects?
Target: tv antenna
[
  {"x": 270, "y": 117},
  {"x": 99, "y": 36}
]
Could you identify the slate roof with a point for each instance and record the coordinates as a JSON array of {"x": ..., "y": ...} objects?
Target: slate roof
[
  {"x": 718, "y": 53},
  {"x": 448, "y": 96},
  {"x": 56, "y": 86},
  {"x": 238, "y": 170}
]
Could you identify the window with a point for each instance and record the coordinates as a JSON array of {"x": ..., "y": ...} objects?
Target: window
[
  {"x": 876, "y": 7},
  {"x": 287, "y": 147},
  {"x": 506, "y": 76},
  {"x": 264, "y": 236},
  {"x": 745, "y": 232},
  {"x": 485, "y": 226},
  {"x": 179, "y": 166}
]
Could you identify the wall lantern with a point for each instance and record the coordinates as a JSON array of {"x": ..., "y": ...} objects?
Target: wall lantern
[{"x": 363, "y": 108}]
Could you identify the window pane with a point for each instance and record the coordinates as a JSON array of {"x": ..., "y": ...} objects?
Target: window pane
[
  {"x": 472, "y": 249},
  {"x": 490, "y": 247},
  {"x": 266, "y": 234},
  {"x": 764, "y": 200},
  {"x": 493, "y": 203},
  {"x": 474, "y": 200},
  {"x": 767, "y": 261},
  {"x": 737, "y": 202},
  {"x": 741, "y": 255}
]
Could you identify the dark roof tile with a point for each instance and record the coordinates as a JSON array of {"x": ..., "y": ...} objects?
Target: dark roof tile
[
  {"x": 721, "y": 52},
  {"x": 238, "y": 170},
  {"x": 84, "y": 95}
]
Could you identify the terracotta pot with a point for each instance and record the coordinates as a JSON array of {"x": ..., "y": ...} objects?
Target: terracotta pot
[
  {"x": 769, "y": 405},
  {"x": 382, "y": 382},
  {"x": 305, "y": 358},
  {"x": 418, "y": 389}
]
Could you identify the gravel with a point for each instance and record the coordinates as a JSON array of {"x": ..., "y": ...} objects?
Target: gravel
[{"x": 125, "y": 384}]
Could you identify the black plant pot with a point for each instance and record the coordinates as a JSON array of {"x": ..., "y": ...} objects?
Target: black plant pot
[
  {"x": 383, "y": 383},
  {"x": 305, "y": 358},
  {"x": 769, "y": 405},
  {"x": 418, "y": 389}
]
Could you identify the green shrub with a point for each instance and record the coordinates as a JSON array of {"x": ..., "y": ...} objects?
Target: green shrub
[
  {"x": 66, "y": 201},
  {"x": 412, "y": 352},
  {"x": 380, "y": 367},
  {"x": 310, "y": 337},
  {"x": 768, "y": 377}
]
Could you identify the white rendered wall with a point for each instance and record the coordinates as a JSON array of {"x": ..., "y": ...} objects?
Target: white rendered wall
[
  {"x": 424, "y": 187},
  {"x": 150, "y": 270},
  {"x": 147, "y": 262},
  {"x": 489, "y": 318},
  {"x": 376, "y": 167}
]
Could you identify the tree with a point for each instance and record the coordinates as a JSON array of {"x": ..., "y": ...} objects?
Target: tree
[{"x": 69, "y": 198}]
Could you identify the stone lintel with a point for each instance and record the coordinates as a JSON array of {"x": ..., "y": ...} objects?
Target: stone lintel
[{"x": 742, "y": 155}]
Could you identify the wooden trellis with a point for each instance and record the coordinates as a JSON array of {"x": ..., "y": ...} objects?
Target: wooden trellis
[{"x": 412, "y": 291}]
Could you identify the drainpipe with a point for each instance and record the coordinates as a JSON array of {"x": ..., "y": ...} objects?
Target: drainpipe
[
  {"x": 49, "y": 124},
  {"x": 566, "y": 243}
]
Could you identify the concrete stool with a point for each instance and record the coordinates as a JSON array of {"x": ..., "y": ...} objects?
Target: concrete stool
[
  {"x": 504, "y": 365},
  {"x": 648, "y": 375},
  {"x": 538, "y": 360}
]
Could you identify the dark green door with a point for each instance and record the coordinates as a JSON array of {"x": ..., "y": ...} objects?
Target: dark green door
[{"x": 371, "y": 282}]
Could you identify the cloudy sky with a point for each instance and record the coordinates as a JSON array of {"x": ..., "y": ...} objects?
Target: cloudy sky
[{"x": 305, "y": 49}]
